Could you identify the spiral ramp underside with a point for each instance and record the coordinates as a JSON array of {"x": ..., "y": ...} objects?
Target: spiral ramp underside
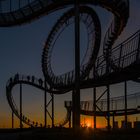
[{"x": 37, "y": 8}]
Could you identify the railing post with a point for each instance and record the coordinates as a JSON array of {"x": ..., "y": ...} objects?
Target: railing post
[
  {"x": 125, "y": 100},
  {"x": 113, "y": 119},
  {"x": 45, "y": 104},
  {"x": 108, "y": 107},
  {"x": 19, "y": 3},
  {"x": 0, "y": 8},
  {"x": 94, "y": 106},
  {"x": 120, "y": 55},
  {"x": 52, "y": 110},
  {"x": 20, "y": 106},
  {"x": 10, "y": 5},
  {"x": 12, "y": 119},
  {"x": 138, "y": 49},
  {"x": 70, "y": 119}
]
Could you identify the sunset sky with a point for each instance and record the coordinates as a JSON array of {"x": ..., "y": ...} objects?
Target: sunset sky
[{"x": 20, "y": 52}]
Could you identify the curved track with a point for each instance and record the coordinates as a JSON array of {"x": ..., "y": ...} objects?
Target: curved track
[
  {"x": 66, "y": 81},
  {"x": 127, "y": 61},
  {"x": 116, "y": 103},
  {"x": 36, "y": 8},
  {"x": 28, "y": 80},
  {"x": 92, "y": 23}
]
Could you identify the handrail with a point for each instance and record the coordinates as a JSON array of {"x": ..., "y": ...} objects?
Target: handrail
[
  {"x": 31, "y": 80},
  {"x": 117, "y": 60},
  {"x": 115, "y": 103}
]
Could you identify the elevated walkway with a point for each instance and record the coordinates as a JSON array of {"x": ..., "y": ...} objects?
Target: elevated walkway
[{"x": 116, "y": 106}]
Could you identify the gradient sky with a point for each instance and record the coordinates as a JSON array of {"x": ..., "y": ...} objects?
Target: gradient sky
[{"x": 20, "y": 52}]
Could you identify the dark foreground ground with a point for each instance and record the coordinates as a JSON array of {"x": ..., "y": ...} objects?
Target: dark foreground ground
[{"x": 68, "y": 134}]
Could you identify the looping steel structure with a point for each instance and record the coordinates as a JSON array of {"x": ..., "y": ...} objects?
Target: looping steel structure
[
  {"x": 92, "y": 23},
  {"x": 113, "y": 66},
  {"x": 34, "y": 82}
]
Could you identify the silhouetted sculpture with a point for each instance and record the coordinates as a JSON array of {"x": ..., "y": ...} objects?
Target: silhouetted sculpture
[
  {"x": 33, "y": 78},
  {"x": 16, "y": 77},
  {"x": 40, "y": 82},
  {"x": 28, "y": 78},
  {"x": 11, "y": 80}
]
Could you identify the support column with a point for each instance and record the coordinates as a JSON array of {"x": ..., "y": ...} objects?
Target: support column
[
  {"x": 113, "y": 120},
  {"x": 108, "y": 107},
  {"x": 0, "y": 6},
  {"x": 12, "y": 119},
  {"x": 94, "y": 106},
  {"x": 76, "y": 92},
  {"x": 45, "y": 105},
  {"x": 125, "y": 102},
  {"x": 52, "y": 110},
  {"x": 69, "y": 111},
  {"x": 20, "y": 106},
  {"x": 19, "y": 3},
  {"x": 138, "y": 50}
]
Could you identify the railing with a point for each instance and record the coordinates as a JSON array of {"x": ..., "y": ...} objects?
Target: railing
[
  {"x": 21, "y": 78},
  {"x": 7, "y": 6},
  {"x": 29, "y": 79},
  {"x": 122, "y": 56},
  {"x": 116, "y": 103}
]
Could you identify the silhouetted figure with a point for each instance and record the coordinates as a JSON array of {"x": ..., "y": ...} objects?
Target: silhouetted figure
[
  {"x": 41, "y": 125},
  {"x": 28, "y": 78},
  {"x": 28, "y": 120},
  {"x": 11, "y": 80},
  {"x": 69, "y": 81},
  {"x": 40, "y": 82},
  {"x": 33, "y": 123},
  {"x": 23, "y": 117},
  {"x": 36, "y": 124},
  {"x": 16, "y": 77},
  {"x": 33, "y": 79}
]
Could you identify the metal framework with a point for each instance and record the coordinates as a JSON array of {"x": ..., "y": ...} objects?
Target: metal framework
[
  {"x": 92, "y": 23},
  {"x": 122, "y": 60},
  {"x": 117, "y": 106},
  {"x": 40, "y": 84}
]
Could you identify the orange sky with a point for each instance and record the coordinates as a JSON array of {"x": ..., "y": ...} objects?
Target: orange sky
[
  {"x": 86, "y": 121},
  {"x": 27, "y": 41}
]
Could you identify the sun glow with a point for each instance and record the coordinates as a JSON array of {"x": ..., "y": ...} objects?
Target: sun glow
[{"x": 87, "y": 122}]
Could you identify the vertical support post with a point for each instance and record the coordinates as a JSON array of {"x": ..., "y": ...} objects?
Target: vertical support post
[
  {"x": 70, "y": 120},
  {"x": 12, "y": 119},
  {"x": 113, "y": 120},
  {"x": 125, "y": 102},
  {"x": 76, "y": 92},
  {"x": 0, "y": 7},
  {"x": 120, "y": 55},
  {"x": 45, "y": 104},
  {"x": 20, "y": 106},
  {"x": 52, "y": 110},
  {"x": 19, "y": 4},
  {"x": 108, "y": 107},
  {"x": 138, "y": 49},
  {"x": 10, "y": 5},
  {"x": 108, "y": 55},
  {"x": 94, "y": 106}
]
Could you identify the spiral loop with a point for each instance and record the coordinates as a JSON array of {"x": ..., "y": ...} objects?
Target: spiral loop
[{"x": 89, "y": 17}]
